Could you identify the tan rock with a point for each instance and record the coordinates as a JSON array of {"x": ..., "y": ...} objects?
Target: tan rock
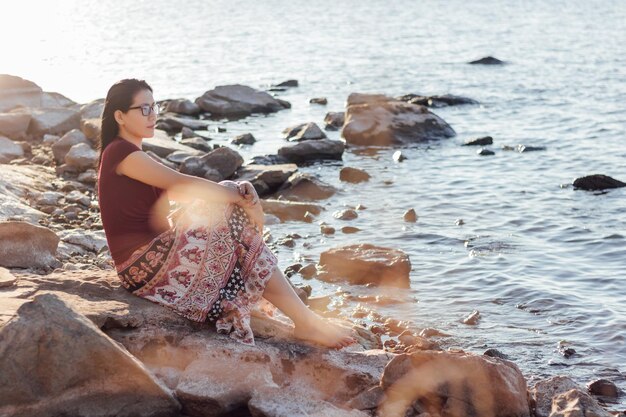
[
  {"x": 289, "y": 210},
  {"x": 25, "y": 245}
]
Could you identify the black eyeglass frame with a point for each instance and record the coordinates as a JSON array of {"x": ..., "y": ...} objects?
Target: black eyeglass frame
[{"x": 147, "y": 108}]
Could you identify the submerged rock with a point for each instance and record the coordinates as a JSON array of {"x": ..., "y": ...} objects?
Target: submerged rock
[
  {"x": 597, "y": 182},
  {"x": 305, "y": 187},
  {"x": 437, "y": 100},
  {"x": 313, "y": 150},
  {"x": 304, "y": 131},
  {"x": 266, "y": 178},
  {"x": 488, "y": 60},
  {"x": 238, "y": 100},
  {"x": 290, "y": 210},
  {"x": 353, "y": 175},
  {"x": 334, "y": 120},
  {"x": 486, "y": 140}
]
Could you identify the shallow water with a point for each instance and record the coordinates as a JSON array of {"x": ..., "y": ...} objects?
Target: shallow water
[{"x": 545, "y": 263}]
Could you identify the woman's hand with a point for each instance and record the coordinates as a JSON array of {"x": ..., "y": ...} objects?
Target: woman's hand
[{"x": 247, "y": 190}]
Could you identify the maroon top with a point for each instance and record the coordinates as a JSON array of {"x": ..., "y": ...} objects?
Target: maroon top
[{"x": 125, "y": 204}]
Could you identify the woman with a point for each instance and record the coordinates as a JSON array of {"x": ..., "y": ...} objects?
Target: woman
[{"x": 207, "y": 260}]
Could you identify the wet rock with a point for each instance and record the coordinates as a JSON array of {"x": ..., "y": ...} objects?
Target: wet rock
[
  {"x": 544, "y": 390},
  {"x": 61, "y": 147},
  {"x": 313, "y": 150},
  {"x": 268, "y": 160},
  {"x": 177, "y": 123},
  {"x": 334, "y": 120},
  {"x": 290, "y": 210},
  {"x": 380, "y": 120},
  {"x": 414, "y": 342},
  {"x": 597, "y": 182},
  {"x": 353, "y": 175},
  {"x": 9, "y": 150},
  {"x": 91, "y": 129},
  {"x": 245, "y": 139},
  {"x": 350, "y": 229},
  {"x": 182, "y": 106},
  {"x": 237, "y": 100},
  {"x": 24, "y": 245},
  {"x": 366, "y": 263},
  {"x": 459, "y": 222},
  {"x": 16, "y": 91},
  {"x": 186, "y": 133},
  {"x": 495, "y": 353},
  {"x": 224, "y": 161},
  {"x": 603, "y": 387},
  {"x": 398, "y": 156},
  {"x": 472, "y": 319},
  {"x": 288, "y": 83},
  {"x": 567, "y": 351},
  {"x": 327, "y": 230},
  {"x": 525, "y": 148},
  {"x": 266, "y": 179},
  {"x": 81, "y": 156},
  {"x": 347, "y": 214},
  {"x": 486, "y": 140},
  {"x": 319, "y": 100},
  {"x": 485, "y": 152},
  {"x": 55, "y": 121},
  {"x": 437, "y": 100},
  {"x": 430, "y": 332},
  {"x": 305, "y": 187},
  {"x": 410, "y": 216},
  {"x": 304, "y": 131},
  {"x": 454, "y": 384},
  {"x": 162, "y": 145},
  {"x": 45, "y": 336},
  {"x": 576, "y": 403},
  {"x": 14, "y": 124},
  {"x": 197, "y": 143},
  {"x": 488, "y": 60},
  {"x": 308, "y": 217}
]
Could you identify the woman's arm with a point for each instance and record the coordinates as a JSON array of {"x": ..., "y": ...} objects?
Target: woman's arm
[{"x": 180, "y": 187}]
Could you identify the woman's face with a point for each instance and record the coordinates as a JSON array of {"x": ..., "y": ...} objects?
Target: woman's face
[{"x": 133, "y": 122}]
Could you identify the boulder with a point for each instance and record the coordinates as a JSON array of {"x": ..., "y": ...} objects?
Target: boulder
[
  {"x": 488, "y": 60},
  {"x": 9, "y": 150},
  {"x": 162, "y": 145},
  {"x": 216, "y": 165},
  {"x": 182, "y": 106},
  {"x": 18, "y": 184},
  {"x": 14, "y": 124},
  {"x": 92, "y": 110},
  {"x": 177, "y": 123},
  {"x": 266, "y": 178},
  {"x": 304, "y": 131},
  {"x": 313, "y": 150},
  {"x": 25, "y": 245},
  {"x": 237, "y": 100},
  {"x": 365, "y": 263},
  {"x": 544, "y": 390},
  {"x": 16, "y": 91},
  {"x": 577, "y": 403},
  {"x": 353, "y": 175},
  {"x": 81, "y": 156},
  {"x": 382, "y": 121},
  {"x": 437, "y": 100},
  {"x": 50, "y": 99},
  {"x": 455, "y": 384},
  {"x": 290, "y": 210},
  {"x": 597, "y": 182},
  {"x": 334, "y": 120},
  {"x": 54, "y": 121},
  {"x": 57, "y": 362},
  {"x": 305, "y": 187},
  {"x": 91, "y": 129},
  {"x": 61, "y": 147}
]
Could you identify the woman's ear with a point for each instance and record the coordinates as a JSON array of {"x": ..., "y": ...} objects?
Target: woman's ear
[{"x": 117, "y": 114}]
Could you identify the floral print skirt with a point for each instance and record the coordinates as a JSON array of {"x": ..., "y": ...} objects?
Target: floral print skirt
[{"x": 211, "y": 265}]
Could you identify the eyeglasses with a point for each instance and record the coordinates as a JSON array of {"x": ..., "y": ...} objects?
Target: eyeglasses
[{"x": 146, "y": 109}]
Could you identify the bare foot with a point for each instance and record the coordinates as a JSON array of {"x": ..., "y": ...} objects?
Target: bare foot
[{"x": 322, "y": 331}]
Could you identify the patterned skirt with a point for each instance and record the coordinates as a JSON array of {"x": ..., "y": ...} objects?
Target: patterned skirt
[{"x": 211, "y": 265}]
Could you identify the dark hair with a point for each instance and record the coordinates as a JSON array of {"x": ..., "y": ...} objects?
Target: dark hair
[{"x": 119, "y": 97}]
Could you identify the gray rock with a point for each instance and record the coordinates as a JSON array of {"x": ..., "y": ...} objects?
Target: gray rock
[
  {"x": 88, "y": 177},
  {"x": 16, "y": 91},
  {"x": 245, "y": 139},
  {"x": 545, "y": 389},
  {"x": 305, "y": 187},
  {"x": 177, "y": 123},
  {"x": 485, "y": 152},
  {"x": 92, "y": 110},
  {"x": 334, "y": 120},
  {"x": 304, "y": 131},
  {"x": 91, "y": 129},
  {"x": 81, "y": 156},
  {"x": 63, "y": 145},
  {"x": 197, "y": 143},
  {"x": 76, "y": 196},
  {"x": 91, "y": 240},
  {"x": 57, "y": 362},
  {"x": 182, "y": 106},
  {"x": 488, "y": 60},
  {"x": 237, "y": 100},
  {"x": 55, "y": 121},
  {"x": 266, "y": 178},
  {"x": 288, "y": 83},
  {"x": 14, "y": 124},
  {"x": 222, "y": 161},
  {"x": 313, "y": 150},
  {"x": 9, "y": 150},
  {"x": 162, "y": 145},
  {"x": 437, "y": 100},
  {"x": 24, "y": 245},
  {"x": 319, "y": 100},
  {"x": 383, "y": 121},
  {"x": 49, "y": 198},
  {"x": 178, "y": 157},
  {"x": 486, "y": 140},
  {"x": 50, "y": 99},
  {"x": 597, "y": 182}
]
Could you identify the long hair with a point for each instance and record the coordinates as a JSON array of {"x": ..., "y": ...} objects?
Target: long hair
[{"x": 119, "y": 97}]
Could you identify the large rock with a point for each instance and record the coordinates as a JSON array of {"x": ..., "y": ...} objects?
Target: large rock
[
  {"x": 91, "y": 129},
  {"x": 453, "y": 384},
  {"x": 382, "y": 121},
  {"x": 182, "y": 106},
  {"x": 61, "y": 147},
  {"x": 313, "y": 150},
  {"x": 162, "y": 145},
  {"x": 266, "y": 178},
  {"x": 16, "y": 91},
  {"x": 366, "y": 263},
  {"x": 176, "y": 124},
  {"x": 92, "y": 110},
  {"x": 81, "y": 156},
  {"x": 14, "y": 124},
  {"x": 544, "y": 390},
  {"x": 216, "y": 165},
  {"x": 237, "y": 100},
  {"x": 290, "y": 210},
  {"x": 577, "y": 403},
  {"x": 51, "y": 99},
  {"x": 9, "y": 150},
  {"x": 25, "y": 245},
  {"x": 54, "y": 121},
  {"x": 597, "y": 182},
  {"x": 305, "y": 187},
  {"x": 56, "y": 362},
  {"x": 437, "y": 100},
  {"x": 18, "y": 185}
]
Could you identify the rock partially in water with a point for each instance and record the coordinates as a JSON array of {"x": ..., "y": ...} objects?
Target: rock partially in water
[
  {"x": 485, "y": 152},
  {"x": 57, "y": 362},
  {"x": 266, "y": 179},
  {"x": 304, "y": 131},
  {"x": 398, "y": 156},
  {"x": 290, "y": 210},
  {"x": 366, "y": 263},
  {"x": 347, "y": 214},
  {"x": 472, "y": 318},
  {"x": 224, "y": 161},
  {"x": 488, "y": 60},
  {"x": 410, "y": 216},
  {"x": 597, "y": 182},
  {"x": 380, "y": 120},
  {"x": 604, "y": 388},
  {"x": 197, "y": 143},
  {"x": 245, "y": 139},
  {"x": 238, "y": 100},
  {"x": 24, "y": 245},
  {"x": 176, "y": 123},
  {"x": 437, "y": 100},
  {"x": 486, "y": 140},
  {"x": 353, "y": 175},
  {"x": 319, "y": 100},
  {"x": 453, "y": 384},
  {"x": 576, "y": 403},
  {"x": 334, "y": 120},
  {"x": 313, "y": 150},
  {"x": 305, "y": 187},
  {"x": 287, "y": 83},
  {"x": 182, "y": 106},
  {"x": 544, "y": 390}
]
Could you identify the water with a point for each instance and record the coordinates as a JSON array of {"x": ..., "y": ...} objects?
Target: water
[{"x": 545, "y": 264}]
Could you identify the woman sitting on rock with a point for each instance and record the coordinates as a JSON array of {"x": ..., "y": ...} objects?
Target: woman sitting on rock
[{"x": 207, "y": 260}]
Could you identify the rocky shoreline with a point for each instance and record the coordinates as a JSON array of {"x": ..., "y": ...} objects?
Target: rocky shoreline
[{"x": 60, "y": 290}]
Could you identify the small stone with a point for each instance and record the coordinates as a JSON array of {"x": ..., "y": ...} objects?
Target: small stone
[
  {"x": 219, "y": 129},
  {"x": 472, "y": 319},
  {"x": 485, "y": 152},
  {"x": 603, "y": 387},
  {"x": 327, "y": 230},
  {"x": 319, "y": 100},
  {"x": 410, "y": 216},
  {"x": 350, "y": 229},
  {"x": 459, "y": 222},
  {"x": 398, "y": 156},
  {"x": 308, "y": 271},
  {"x": 347, "y": 214},
  {"x": 308, "y": 217},
  {"x": 495, "y": 353},
  {"x": 487, "y": 140},
  {"x": 568, "y": 352},
  {"x": 245, "y": 139}
]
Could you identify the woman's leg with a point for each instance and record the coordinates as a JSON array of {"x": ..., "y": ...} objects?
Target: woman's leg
[{"x": 309, "y": 325}]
